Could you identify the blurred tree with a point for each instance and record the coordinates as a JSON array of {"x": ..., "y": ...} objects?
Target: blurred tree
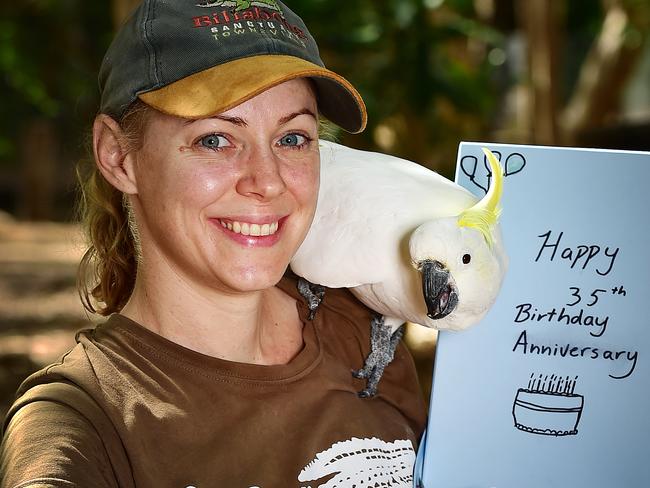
[
  {"x": 433, "y": 72},
  {"x": 607, "y": 67},
  {"x": 50, "y": 52},
  {"x": 542, "y": 22},
  {"x": 579, "y": 58},
  {"x": 420, "y": 66}
]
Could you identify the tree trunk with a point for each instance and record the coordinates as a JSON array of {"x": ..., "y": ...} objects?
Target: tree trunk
[
  {"x": 603, "y": 75},
  {"x": 541, "y": 20},
  {"x": 39, "y": 154}
]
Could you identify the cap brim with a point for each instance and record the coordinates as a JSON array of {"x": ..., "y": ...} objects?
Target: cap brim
[{"x": 218, "y": 89}]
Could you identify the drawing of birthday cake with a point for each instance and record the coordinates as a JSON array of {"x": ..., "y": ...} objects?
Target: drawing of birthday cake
[{"x": 548, "y": 406}]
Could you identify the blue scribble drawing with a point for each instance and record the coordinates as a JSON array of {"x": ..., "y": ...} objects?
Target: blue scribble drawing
[
  {"x": 515, "y": 162},
  {"x": 482, "y": 176}
]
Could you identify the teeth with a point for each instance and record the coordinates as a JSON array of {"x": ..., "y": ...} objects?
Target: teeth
[{"x": 247, "y": 229}]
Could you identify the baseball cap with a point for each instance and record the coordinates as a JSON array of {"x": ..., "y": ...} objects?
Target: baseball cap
[{"x": 197, "y": 58}]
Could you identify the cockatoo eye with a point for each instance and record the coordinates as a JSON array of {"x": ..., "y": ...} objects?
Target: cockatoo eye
[{"x": 467, "y": 258}]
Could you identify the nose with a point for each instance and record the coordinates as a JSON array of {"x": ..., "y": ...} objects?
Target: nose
[{"x": 261, "y": 177}]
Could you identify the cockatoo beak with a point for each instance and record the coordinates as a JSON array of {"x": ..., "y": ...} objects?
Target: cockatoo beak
[{"x": 439, "y": 289}]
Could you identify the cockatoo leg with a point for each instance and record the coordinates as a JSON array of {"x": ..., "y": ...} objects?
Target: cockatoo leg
[
  {"x": 383, "y": 342},
  {"x": 312, "y": 293}
]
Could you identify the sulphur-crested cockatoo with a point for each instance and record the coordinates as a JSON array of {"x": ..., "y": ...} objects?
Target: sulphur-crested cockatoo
[{"x": 409, "y": 243}]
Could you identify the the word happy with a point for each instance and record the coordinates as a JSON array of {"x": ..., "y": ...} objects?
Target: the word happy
[{"x": 581, "y": 256}]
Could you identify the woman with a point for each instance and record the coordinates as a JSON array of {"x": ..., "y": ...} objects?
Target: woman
[{"x": 209, "y": 371}]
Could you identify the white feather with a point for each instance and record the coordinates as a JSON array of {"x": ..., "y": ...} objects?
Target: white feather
[{"x": 369, "y": 206}]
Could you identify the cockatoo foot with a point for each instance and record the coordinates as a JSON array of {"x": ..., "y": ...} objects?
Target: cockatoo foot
[
  {"x": 312, "y": 293},
  {"x": 382, "y": 351}
]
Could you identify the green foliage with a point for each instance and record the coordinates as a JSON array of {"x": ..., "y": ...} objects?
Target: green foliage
[
  {"x": 50, "y": 52},
  {"x": 422, "y": 66},
  {"x": 410, "y": 61}
]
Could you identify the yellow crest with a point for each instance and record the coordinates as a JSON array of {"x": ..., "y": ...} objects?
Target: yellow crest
[{"x": 485, "y": 214}]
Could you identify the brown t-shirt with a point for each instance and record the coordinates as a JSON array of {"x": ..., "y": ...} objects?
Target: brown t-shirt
[{"x": 128, "y": 408}]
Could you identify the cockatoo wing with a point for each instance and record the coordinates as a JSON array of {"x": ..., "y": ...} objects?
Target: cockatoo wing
[{"x": 368, "y": 205}]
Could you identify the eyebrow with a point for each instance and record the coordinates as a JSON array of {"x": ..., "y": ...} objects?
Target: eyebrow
[
  {"x": 238, "y": 121},
  {"x": 233, "y": 120},
  {"x": 293, "y": 115}
]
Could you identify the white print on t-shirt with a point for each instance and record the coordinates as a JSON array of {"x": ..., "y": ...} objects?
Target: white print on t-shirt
[{"x": 362, "y": 462}]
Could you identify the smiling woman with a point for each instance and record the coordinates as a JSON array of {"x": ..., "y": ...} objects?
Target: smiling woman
[
  {"x": 211, "y": 370},
  {"x": 224, "y": 179}
]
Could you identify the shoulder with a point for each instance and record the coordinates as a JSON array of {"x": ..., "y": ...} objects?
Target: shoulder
[
  {"x": 338, "y": 305},
  {"x": 60, "y": 421},
  {"x": 79, "y": 367},
  {"x": 341, "y": 303},
  {"x": 343, "y": 324},
  {"x": 347, "y": 335},
  {"x": 58, "y": 395},
  {"x": 56, "y": 435}
]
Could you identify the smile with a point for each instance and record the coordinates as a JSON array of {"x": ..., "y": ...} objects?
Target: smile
[{"x": 250, "y": 229}]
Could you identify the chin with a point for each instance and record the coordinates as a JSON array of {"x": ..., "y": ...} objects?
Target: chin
[
  {"x": 255, "y": 279},
  {"x": 248, "y": 269}
]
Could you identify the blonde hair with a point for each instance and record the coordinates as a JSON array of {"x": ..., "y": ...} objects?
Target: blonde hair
[{"x": 107, "y": 270}]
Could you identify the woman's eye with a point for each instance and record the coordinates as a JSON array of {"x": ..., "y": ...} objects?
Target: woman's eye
[
  {"x": 293, "y": 140},
  {"x": 213, "y": 141}
]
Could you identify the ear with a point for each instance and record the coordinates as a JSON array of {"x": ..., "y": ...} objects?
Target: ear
[{"x": 111, "y": 157}]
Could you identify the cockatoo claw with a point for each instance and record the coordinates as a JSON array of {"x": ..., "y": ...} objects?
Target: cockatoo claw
[
  {"x": 312, "y": 293},
  {"x": 382, "y": 350},
  {"x": 367, "y": 393},
  {"x": 361, "y": 374}
]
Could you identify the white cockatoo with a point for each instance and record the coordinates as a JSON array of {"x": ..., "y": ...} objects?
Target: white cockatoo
[{"x": 409, "y": 243}]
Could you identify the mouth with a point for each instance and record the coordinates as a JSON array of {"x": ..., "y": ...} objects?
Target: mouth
[
  {"x": 250, "y": 228},
  {"x": 439, "y": 290},
  {"x": 264, "y": 232}
]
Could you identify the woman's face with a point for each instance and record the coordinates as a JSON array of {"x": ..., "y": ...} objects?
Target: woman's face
[{"x": 226, "y": 201}]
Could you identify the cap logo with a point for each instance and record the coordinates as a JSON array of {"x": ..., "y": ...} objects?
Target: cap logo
[
  {"x": 241, "y": 4},
  {"x": 248, "y": 17}
]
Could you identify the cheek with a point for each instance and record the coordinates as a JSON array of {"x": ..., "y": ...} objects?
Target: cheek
[
  {"x": 205, "y": 186},
  {"x": 191, "y": 187},
  {"x": 304, "y": 181}
]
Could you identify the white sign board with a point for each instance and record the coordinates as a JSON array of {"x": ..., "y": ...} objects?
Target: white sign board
[{"x": 552, "y": 388}]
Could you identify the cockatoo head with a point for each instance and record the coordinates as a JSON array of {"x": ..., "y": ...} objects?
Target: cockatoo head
[{"x": 462, "y": 260}]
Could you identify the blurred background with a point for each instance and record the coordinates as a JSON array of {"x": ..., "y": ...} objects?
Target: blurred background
[{"x": 432, "y": 72}]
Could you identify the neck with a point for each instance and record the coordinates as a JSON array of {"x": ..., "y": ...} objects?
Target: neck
[{"x": 259, "y": 327}]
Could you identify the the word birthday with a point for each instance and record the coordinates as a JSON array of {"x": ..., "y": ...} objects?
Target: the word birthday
[{"x": 527, "y": 313}]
